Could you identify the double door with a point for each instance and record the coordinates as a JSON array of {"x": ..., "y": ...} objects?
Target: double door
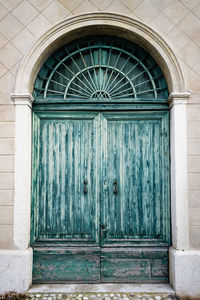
[{"x": 100, "y": 190}]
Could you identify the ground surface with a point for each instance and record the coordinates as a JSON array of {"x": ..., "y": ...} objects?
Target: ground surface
[{"x": 101, "y": 296}]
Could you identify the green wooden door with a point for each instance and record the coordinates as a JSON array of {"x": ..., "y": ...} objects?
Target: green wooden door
[{"x": 101, "y": 210}]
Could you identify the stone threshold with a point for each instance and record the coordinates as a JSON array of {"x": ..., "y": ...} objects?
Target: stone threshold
[
  {"x": 102, "y": 288},
  {"x": 101, "y": 292}
]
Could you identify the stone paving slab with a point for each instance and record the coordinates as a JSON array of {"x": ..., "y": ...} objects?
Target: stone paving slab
[
  {"x": 106, "y": 291},
  {"x": 102, "y": 296}
]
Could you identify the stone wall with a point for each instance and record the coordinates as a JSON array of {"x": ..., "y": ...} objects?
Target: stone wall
[{"x": 22, "y": 22}]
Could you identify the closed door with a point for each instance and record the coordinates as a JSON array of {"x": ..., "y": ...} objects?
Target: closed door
[
  {"x": 100, "y": 189},
  {"x": 135, "y": 200}
]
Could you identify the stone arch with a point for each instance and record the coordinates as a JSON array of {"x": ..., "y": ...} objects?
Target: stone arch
[{"x": 88, "y": 24}]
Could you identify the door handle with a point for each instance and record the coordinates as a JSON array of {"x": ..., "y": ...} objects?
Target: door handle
[
  {"x": 103, "y": 231},
  {"x": 103, "y": 227},
  {"x": 115, "y": 187},
  {"x": 85, "y": 186}
]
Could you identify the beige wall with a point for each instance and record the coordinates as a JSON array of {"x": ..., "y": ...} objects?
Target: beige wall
[
  {"x": 22, "y": 22},
  {"x": 193, "y": 119}
]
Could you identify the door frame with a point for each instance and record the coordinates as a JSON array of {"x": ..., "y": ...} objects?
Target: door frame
[{"x": 23, "y": 100}]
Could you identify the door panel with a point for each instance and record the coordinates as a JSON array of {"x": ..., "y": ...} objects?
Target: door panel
[
  {"x": 64, "y": 212},
  {"x": 133, "y": 264},
  {"x": 134, "y": 155},
  {"x": 100, "y": 188},
  {"x": 71, "y": 264},
  {"x": 67, "y": 155}
]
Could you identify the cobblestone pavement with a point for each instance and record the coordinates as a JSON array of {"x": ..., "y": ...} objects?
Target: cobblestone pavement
[{"x": 101, "y": 296}]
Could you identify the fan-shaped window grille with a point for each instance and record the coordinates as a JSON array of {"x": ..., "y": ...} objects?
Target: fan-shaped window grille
[{"x": 100, "y": 68}]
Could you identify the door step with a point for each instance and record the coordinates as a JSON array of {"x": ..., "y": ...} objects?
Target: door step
[{"x": 101, "y": 291}]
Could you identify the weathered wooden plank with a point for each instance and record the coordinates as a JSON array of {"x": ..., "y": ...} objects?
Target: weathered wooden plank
[
  {"x": 160, "y": 268},
  {"x": 35, "y": 169},
  {"x": 66, "y": 265},
  {"x": 134, "y": 265},
  {"x": 125, "y": 270},
  {"x": 135, "y": 252},
  {"x": 100, "y": 106}
]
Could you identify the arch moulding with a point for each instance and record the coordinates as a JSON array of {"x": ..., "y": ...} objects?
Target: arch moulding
[
  {"x": 61, "y": 33},
  {"x": 103, "y": 22}
]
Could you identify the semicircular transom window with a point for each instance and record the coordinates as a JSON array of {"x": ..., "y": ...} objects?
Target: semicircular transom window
[{"x": 100, "y": 68}]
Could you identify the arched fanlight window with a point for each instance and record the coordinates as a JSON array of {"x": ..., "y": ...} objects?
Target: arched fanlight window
[{"x": 100, "y": 68}]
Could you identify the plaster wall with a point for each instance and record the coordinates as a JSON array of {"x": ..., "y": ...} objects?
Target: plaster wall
[{"x": 23, "y": 22}]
